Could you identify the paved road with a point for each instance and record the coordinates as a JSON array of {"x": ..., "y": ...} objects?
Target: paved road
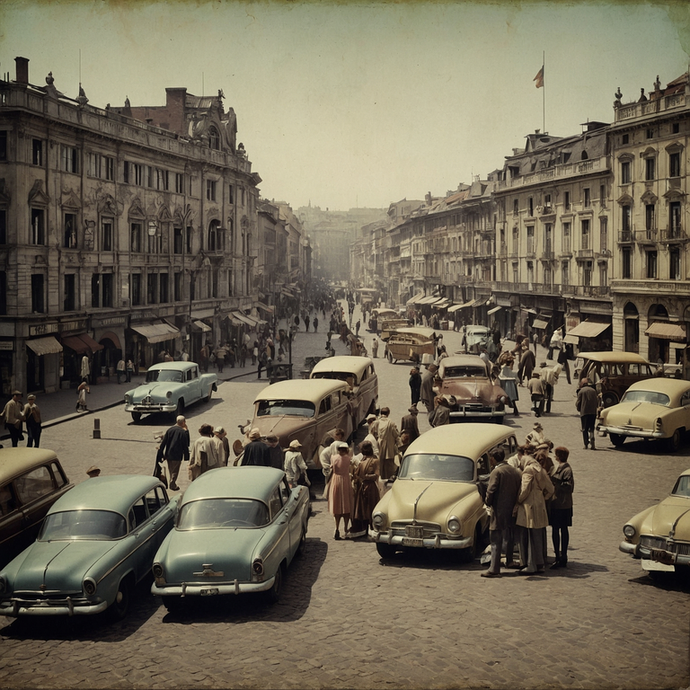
[{"x": 349, "y": 620}]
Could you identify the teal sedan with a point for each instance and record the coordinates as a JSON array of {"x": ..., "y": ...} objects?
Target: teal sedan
[
  {"x": 238, "y": 529},
  {"x": 96, "y": 543}
]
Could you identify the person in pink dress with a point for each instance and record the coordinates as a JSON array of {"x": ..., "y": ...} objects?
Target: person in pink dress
[{"x": 340, "y": 492}]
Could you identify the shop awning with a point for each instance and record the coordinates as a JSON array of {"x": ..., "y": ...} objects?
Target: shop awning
[
  {"x": 428, "y": 299},
  {"x": 539, "y": 323},
  {"x": 90, "y": 342},
  {"x": 588, "y": 329},
  {"x": 571, "y": 339},
  {"x": 416, "y": 298},
  {"x": 74, "y": 342},
  {"x": 45, "y": 346},
  {"x": 234, "y": 321},
  {"x": 244, "y": 319},
  {"x": 494, "y": 310},
  {"x": 265, "y": 307},
  {"x": 203, "y": 327},
  {"x": 442, "y": 303},
  {"x": 157, "y": 332},
  {"x": 456, "y": 307},
  {"x": 667, "y": 331}
]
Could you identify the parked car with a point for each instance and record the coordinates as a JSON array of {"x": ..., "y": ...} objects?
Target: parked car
[
  {"x": 31, "y": 480},
  {"x": 170, "y": 387},
  {"x": 360, "y": 376},
  {"x": 304, "y": 411},
  {"x": 434, "y": 502},
  {"x": 472, "y": 394},
  {"x": 378, "y": 315},
  {"x": 656, "y": 408},
  {"x": 411, "y": 344},
  {"x": 389, "y": 325},
  {"x": 660, "y": 535},
  {"x": 238, "y": 530},
  {"x": 96, "y": 543},
  {"x": 476, "y": 337},
  {"x": 613, "y": 372}
]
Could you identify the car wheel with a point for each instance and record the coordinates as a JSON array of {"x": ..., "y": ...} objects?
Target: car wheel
[
  {"x": 210, "y": 395},
  {"x": 609, "y": 399},
  {"x": 173, "y": 604},
  {"x": 119, "y": 608},
  {"x": 136, "y": 417},
  {"x": 180, "y": 407},
  {"x": 617, "y": 439},
  {"x": 390, "y": 358},
  {"x": 273, "y": 594},
  {"x": 302, "y": 543},
  {"x": 385, "y": 550},
  {"x": 468, "y": 555},
  {"x": 674, "y": 441}
]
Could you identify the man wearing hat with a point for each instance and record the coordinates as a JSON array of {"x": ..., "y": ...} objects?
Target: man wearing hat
[
  {"x": 295, "y": 467},
  {"x": 536, "y": 436},
  {"x": 256, "y": 452},
  {"x": 13, "y": 414},
  {"x": 34, "y": 424},
  {"x": 174, "y": 448},
  {"x": 275, "y": 451},
  {"x": 372, "y": 432},
  {"x": 93, "y": 471},
  {"x": 409, "y": 423}
]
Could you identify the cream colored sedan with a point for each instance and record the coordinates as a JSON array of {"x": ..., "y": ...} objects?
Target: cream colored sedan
[{"x": 656, "y": 408}]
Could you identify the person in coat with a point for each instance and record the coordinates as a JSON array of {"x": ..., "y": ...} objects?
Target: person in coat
[
  {"x": 13, "y": 414},
  {"x": 295, "y": 467},
  {"x": 365, "y": 477},
  {"x": 388, "y": 436},
  {"x": 549, "y": 377},
  {"x": 535, "y": 489},
  {"x": 427, "y": 388},
  {"x": 174, "y": 448},
  {"x": 409, "y": 424},
  {"x": 526, "y": 366},
  {"x": 561, "y": 508},
  {"x": 501, "y": 496},
  {"x": 34, "y": 423},
  {"x": 536, "y": 388},
  {"x": 205, "y": 455},
  {"x": 441, "y": 411},
  {"x": 256, "y": 452},
  {"x": 415, "y": 385},
  {"x": 587, "y": 404}
]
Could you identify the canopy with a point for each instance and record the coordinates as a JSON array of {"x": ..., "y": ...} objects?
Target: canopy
[
  {"x": 203, "y": 327},
  {"x": 667, "y": 331},
  {"x": 81, "y": 343},
  {"x": 588, "y": 329},
  {"x": 539, "y": 323},
  {"x": 157, "y": 332},
  {"x": 416, "y": 298},
  {"x": 442, "y": 303},
  {"x": 456, "y": 307},
  {"x": 45, "y": 346},
  {"x": 494, "y": 310}
]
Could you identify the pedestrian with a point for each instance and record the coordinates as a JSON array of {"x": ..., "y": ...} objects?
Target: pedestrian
[
  {"x": 508, "y": 380},
  {"x": 263, "y": 363},
  {"x": 526, "y": 366},
  {"x": 375, "y": 347},
  {"x": 316, "y": 324},
  {"x": 330, "y": 448},
  {"x": 563, "y": 361},
  {"x": 549, "y": 377},
  {"x": 536, "y": 389},
  {"x": 85, "y": 370},
  {"x": 184, "y": 357},
  {"x": 120, "y": 370},
  {"x": 561, "y": 507},
  {"x": 587, "y": 404},
  {"x": 221, "y": 434},
  {"x": 501, "y": 496},
  {"x": 535, "y": 341},
  {"x": 275, "y": 452},
  {"x": 415, "y": 385},
  {"x": 130, "y": 370},
  {"x": 13, "y": 414},
  {"x": 426, "y": 390},
  {"x": 220, "y": 359},
  {"x": 536, "y": 436},
  {"x": 203, "y": 358},
  {"x": 295, "y": 467},
  {"x": 555, "y": 343},
  {"x": 409, "y": 424},
  {"x": 174, "y": 448},
  {"x": 34, "y": 426},
  {"x": 256, "y": 452},
  {"x": 204, "y": 455},
  {"x": 388, "y": 436},
  {"x": 255, "y": 353},
  {"x": 441, "y": 411},
  {"x": 365, "y": 477},
  {"x": 357, "y": 326},
  {"x": 340, "y": 493},
  {"x": 82, "y": 390}
]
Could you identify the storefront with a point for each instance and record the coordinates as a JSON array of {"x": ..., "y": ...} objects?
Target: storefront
[
  {"x": 149, "y": 343},
  {"x": 42, "y": 364}
]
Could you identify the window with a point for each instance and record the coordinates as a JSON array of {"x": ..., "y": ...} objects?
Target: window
[
  {"x": 3, "y": 226},
  {"x": 242, "y": 191},
  {"x": 649, "y": 214},
  {"x": 674, "y": 263},
  {"x": 109, "y": 168},
  {"x": 69, "y": 303},
  {"x": 547, "y": 238},
  {"x": 515, "y": 207},
  {"x": 177, "y": 287},
  {"x": 651, "y": 265},
  {"x": 625, "y": 172},
  {"x": 96, "y": 290},
  {"x": 530, "y": 207},
  {"x": 650, "y": 168},
  {"x": 211, "y": 190},
  {"x": 38, "y": 229},
  {"x": 163, "y": 288},
  {"x": 34, "y": 485},
  {"x": 626, "y": 256},
  {"x": 179, "y": 183},
  {"x": 37, "y": 293},
  {"x": 3, "y": 145},
  {"x": 177, "y": 240},
  {"x": 68, "y": 159},
  {"x": 516, "y": 272},
  {"x": 107, "y": 234},
  {"x": 625, "y": 139},
  {"x": 530, "y": 272},
  {"x": 190, "y": 232},
  {"x": 70, "y": 234},
  {"x": 213, "y": 138},
  {"x": 674, "y": 219},
  {"x": 585, "y": 234},
  {"x": 602, "y": 195},
  {"x": 133, "y": 173},
  {"x": 214, "y": 286},
  {"x": 566, "y": 201},
  {"x": 603, "y": 274},
  {"x": 107, "y": 283},
  {"x": 135, "y": 236},
  {"x": 587, "y": 197},
  {"x": 155, "y": 242},
  {"x": 674, "y": 164},
  {"x": 566, "y": 238},
  {"x": 149, "y": 176},
  {"x": 626, "y": 222},
  {"x": 530, "y": 239},
  {"x": 675, "y": 127},
  {"x": 587, "y": 273},
  {"x": 603, "y": 234},
  {"x": 516, "y": 240},
  {"x": 650, "y": 134},
  {"x": 152, "y": 288},
  {"x": 162, "y": 179},
  {"x": 230, "y": 287},
  {"x": 565, "y": 273},
  {"x": 37, "y": 152},
  {"x": 135, "y": 289},
  {"x": 231, "y": 194}
]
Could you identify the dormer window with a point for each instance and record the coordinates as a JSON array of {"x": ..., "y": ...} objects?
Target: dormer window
[{"x": 214, "y": 138}]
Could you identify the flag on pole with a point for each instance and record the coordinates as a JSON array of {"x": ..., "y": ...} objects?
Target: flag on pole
[{"x": 539, "y": 78}]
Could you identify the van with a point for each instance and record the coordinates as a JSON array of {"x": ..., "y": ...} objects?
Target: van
[{"x": 411, "y": 344}]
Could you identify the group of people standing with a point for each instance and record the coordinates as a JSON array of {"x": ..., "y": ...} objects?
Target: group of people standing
[{"x": 15, "y": 414}]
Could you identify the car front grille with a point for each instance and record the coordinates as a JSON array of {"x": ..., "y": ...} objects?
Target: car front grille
[
  {"x": 406, "y": 528},
  {"x": 665, "y": 545}
]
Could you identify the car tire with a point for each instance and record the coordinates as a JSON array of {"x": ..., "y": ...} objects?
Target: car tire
[
  {"x": 210, "y": 395},
  {"x": 674, "y": 441},
  {"x": 119, "y": 608},
  {"x": 173, "y": 604},
  {"x": 385, "y": 550},
  {"x": 609, "y": 399},
  {"x": 136, "y": 417},
  {"x": 390, "y": 358},
  {"x": 617, "y": 439},
  {"x": 468, "y": 555},
  {"x": 273, "y": 594},
  {"x": 179, "y": 410}
]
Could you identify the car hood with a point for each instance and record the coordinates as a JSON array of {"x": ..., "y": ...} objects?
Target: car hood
[
  {"x": 59, "y": 565},
  {"x": 438, "y": 499},
  {"x": 282, "y": 427},
  {"x": 148, "y": 388},
  {"x": 674, "y": 510},
  {"x": 471, "y": 389},
  {"x": 225, "y": 549},
  {"x": 633, "y": 414}
]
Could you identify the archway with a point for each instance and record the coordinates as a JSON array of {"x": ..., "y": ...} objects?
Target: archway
[{"x": 632, "y": 328}]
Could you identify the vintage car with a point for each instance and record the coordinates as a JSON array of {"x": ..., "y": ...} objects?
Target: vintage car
[
  {"x": 411, "y": 344},
  {"x": 471, "y": 392},
  {"x": 360, "y": 376},
  {"x": 657, "y": 408},
  {"x": 96, "y": 543},
  {"x": 31, "y": 480},
  {"x": 475, "y": 337},
  {"x": 660, "y": 535},
  {"x": 304, "y": 411},
  {"x": 614, "y": 372},
  {"x": 390, "y": 325},
  {"x": 170, "y": 387},
  {"x": 237, "y": 531},
  {"x": 434, "y": 503},
  {"x": 378, "y": 315}
]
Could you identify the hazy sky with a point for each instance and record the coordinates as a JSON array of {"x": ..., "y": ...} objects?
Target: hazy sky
[{"x": 359, "y": 104}]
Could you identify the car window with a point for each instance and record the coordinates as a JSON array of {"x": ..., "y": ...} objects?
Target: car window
[
  {"x": 647, "y": 370},
  {"x": 291, "y": 408},
  {"x": 8, "y": 501},
  {"x": 438, "y": 467},
  {"x": 335, "y": 399},
  {"x": 483, "y": 465},
  {"x": 34, "y": 484},
  {"x": 83, "y": 524},
  {"x": 153, "y": 501},
  {"x": 274, "y": 503},
  {"x": 652, "y": 397},
  {"x": 138, "y": 511},
  {"x": 223, "y": 512},
  {"x": 634, "y": 369},
  {"x": 682, "y": 487},
  {"x": 285, "y": 490},
  {"x": 164, "y": 375},
  {"x": 685, "y": 399},
  {"x": 162, "y": 496},
  {"x": 189, "y": 375},
  {"x": 464, "y": 371},
  {"x": 58, "y": 475}
]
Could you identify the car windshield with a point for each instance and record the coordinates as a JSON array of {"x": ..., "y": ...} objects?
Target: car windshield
[
  {"x": 682, "y": 487},
  {"x": 83, "y": 524},
  {"x": 647, "y": 397},
  {"x": 293, "y": 408},
  {"x": 449, "y": 468},
  {"x": 463, "y": 371},
  {"x": 223, "y": 512},
  {"x": 163, "y": 375},
  {"x": 336, "y": 376}
]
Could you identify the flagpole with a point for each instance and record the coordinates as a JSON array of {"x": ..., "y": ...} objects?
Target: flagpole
[{"x": 543, "y": 93}]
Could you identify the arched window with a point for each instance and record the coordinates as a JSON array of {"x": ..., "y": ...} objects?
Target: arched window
[
  {"x": 213, "y": 138},
  {"x": 213, "y": 243}
]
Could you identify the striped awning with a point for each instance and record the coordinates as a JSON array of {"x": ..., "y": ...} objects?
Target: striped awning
[
  {"x": 588, "y": 329},
  {"x": 494, "y": 310},
  {"x": 44, "y": 346},
  {"x": 667, "y": 331}
]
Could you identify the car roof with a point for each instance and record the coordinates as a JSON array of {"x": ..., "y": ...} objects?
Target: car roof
[
  {"x": 660, "y": 384},
  {"x": 418, "y": 330},
  {"x": 15, "y": 461},
  {"x": 342, "y": 363},
  {"x": 234, "y": 482},
  {"x": 175, "y": 366},
  {"x": 466, "y": 360},
  {"x": 115, "y": 492},
  {"x": 478, "y": 328},
  {"x": 300, "y": 389},
  {"x": 470, "y": 439},
  {"x": 609, "y": 356}
]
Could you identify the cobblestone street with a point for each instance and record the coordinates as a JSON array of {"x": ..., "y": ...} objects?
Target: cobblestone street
[{"x": 350, "y": 620}]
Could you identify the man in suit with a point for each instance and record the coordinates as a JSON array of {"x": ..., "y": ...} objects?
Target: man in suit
[
  {"x": 501, "y": 496},
  {"x": 409, "y": 423},
  {"x": 427, "y": 387},
  {"x": 175, "y": 448}
]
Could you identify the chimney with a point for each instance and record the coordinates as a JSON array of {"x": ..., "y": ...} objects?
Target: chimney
[{"x": 22, "y": 70}]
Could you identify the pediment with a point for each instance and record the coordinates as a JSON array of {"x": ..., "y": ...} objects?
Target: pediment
[
  {"x": 625, "y": 200},
  {"x": 674, "y": 195},
  {"x": 135, "y": 208},
  {"x": 107, "y": 206},
  {"x": 70, "y": 200},
  {"x": 37, "y": 196},
  {"x": 649, "y": 197},
  {"x": 164, "y": 214}
]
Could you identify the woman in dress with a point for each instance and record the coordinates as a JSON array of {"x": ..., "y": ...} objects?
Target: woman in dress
[
  {"x": 340, "y": 493},
  {"x": 365, "y": 476},
  {"x": 507, "y": 379}
]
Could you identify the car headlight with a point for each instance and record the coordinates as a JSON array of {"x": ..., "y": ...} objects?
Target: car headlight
[
  {"x": 158, "y": 571},
  {"x": 629, "y": 531},
  {"x": 258, "y": 568},
  {"x": 128, "y": 398},
  {"x": 657, "y": 424},
  {"x": 168, "y": 395},
  {"x": 89, "y": 586},
  {"x": 453, "y": 525},
  {"x": 378, "y": 520}
]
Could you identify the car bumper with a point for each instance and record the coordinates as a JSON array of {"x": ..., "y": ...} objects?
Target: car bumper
[
  {"x": 646, "y": 553},
  {"x": 154, "y": 407},
  {"x": 62, "y": 607},
  {"x": 623, "y": 431},
  {"x": 460, "y": 415},
  {"x": 196, "y": 589},
  {"x": 438, "y": 541}
]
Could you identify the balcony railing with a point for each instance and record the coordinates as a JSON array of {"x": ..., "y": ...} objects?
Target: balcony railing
[
  {"x": 674, "y": 233},
  {"x": 584, "y": 254},
  {"x": 625, "y": 236},
  {"x": 586, "y": 290}
]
